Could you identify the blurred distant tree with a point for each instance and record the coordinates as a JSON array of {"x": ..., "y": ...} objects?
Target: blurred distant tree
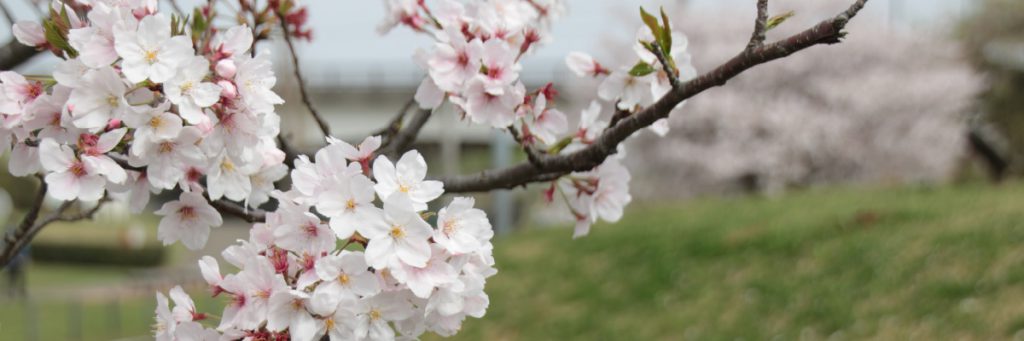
[
  {"x": 994, "y": 39},
  {"x": 865, "y": 114}
]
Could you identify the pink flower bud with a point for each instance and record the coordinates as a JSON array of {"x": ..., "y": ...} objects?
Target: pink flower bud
[
  {"x": 226, "y": 68},
  {"x": 227, "y": 89},
  {"x": 113, "y": 124}
]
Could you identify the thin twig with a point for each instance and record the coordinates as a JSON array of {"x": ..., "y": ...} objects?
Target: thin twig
[
  {"x": 408, "y": 134},
  {"x": 760, "y": 26},
  {"x": 829, "y": 31},
  {"x": 670, "y": 72},
  {"x": 249, "y": 215},
  {"x": 532, "y": 154},
  {"x": 298, "y": 76},
  {"x": 395, "y": 125}
]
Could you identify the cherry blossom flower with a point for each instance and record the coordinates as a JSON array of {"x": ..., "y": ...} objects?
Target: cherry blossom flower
[
  {"x": 85, "y": 176},
  {"x": 423, "y": 280},
  {"x": 287, "y": 310},
  {"x": 235, "y": 41},
  {"x": 501, "y": 68},
  {"x": 20, "y": 91},
  {"x": 406, "y": 179},
  {"x": 374, "y": 313},
  {"x": 362, "y": 154},
  {"x": 630, "y": 91},
  {"x": 454, "y": 60},
  {"x": 304, "y": 232},
  {"x": 210, "y": 270},
  {"x": 228, "y": 176},
  {"x": 591, "y": 125},
  {"x": 401, "y": 237},
  {"x": 29, "y": 33},
  {"x": 547, "y": 123},
  {"x": 429, "y": 95},
  {"x": 187, "y": 219},
  {"x": 151, "y": 52},
  {"x": 167, "y": 160},
  {"x": 349, "y": 203},
  {"x": 99, "y": 98},
  {"x": 461, "y": 228},
  {"x": 346, "y": 276},
  {"x": 485, "y": 108},
  {"x": 163, "y": 329},
  {"x": 583, "y": 65},
  {"x": 190, "y": 92},
  {"x": 184, "y": 308},
  {"x": 194, "y": 331},
  {"x": 252, "y": 289},
  {"x": 95, "y": 43},
  {"x": 254, "y": 79},
  {"x": 154, "y": 124}
]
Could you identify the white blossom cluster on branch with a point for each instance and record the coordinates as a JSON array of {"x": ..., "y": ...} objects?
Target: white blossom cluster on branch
[{"x": 144, "y": 102}]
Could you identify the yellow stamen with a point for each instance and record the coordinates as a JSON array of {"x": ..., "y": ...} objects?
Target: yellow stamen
[
  {"x": 397, "y": 232},
  {"x": 151, "y": 57},
  {"x": 375, "y": 314},
  {"x": 448, "y": 227},
  {"x": 344, "y": 279},
  {"x": 227, "y": 166},
  {"x": 329, "y": 323},
  {"x": 166, "y": 147}
]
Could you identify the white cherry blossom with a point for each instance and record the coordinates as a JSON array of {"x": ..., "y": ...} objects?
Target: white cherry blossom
[
  {"x": 190, "y": 92},
  {"x": 150, "y": 52},
  {"x": 406, "y": 179},
  {"x": 400, "y": 238},
  {"x": 187, "y": 219}
]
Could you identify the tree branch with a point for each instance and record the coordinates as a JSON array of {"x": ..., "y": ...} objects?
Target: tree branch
[
  {"x": 31, "y": 225},
  {"x": 298, "y": 76},
  {"x": 407, "y": 135},
  {"x": 760, "y": 26},
  {"x": 14, "y": 54},
  {"x": 532, "y": 154},
  {"x": 670, "y": 72},
  {"x": 395, "y": 125},
  {"x": 249, "y": 215},
  {"x": 826, "y": 32}
]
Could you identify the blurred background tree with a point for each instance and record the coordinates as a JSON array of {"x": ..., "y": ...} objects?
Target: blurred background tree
[{"x": 993, "y": 38}]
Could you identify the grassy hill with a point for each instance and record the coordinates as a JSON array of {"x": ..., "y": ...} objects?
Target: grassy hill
[{"x": 943, "y": 263}]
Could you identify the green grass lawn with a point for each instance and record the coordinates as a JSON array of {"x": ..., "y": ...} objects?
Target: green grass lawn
[
  {"x": 942, "y": 263},
  {"x": 945, "y": 263}
]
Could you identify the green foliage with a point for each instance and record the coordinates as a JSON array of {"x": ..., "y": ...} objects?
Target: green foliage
[
  {"x": 777, "y": 20},
  {"x": 56, "y": 28},
  {"x": 641, "y": 69}
]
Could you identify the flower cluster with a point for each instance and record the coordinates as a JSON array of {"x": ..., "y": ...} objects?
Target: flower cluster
[
  {"x": 475, "y": 62},
  {"x": 603, "y": 192},
  {"x": 139, "y": 105},
  {"x": 143, "y": 102},
  {"x": 296, "y": 282},
  {"x": 475, "y": 65}
]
